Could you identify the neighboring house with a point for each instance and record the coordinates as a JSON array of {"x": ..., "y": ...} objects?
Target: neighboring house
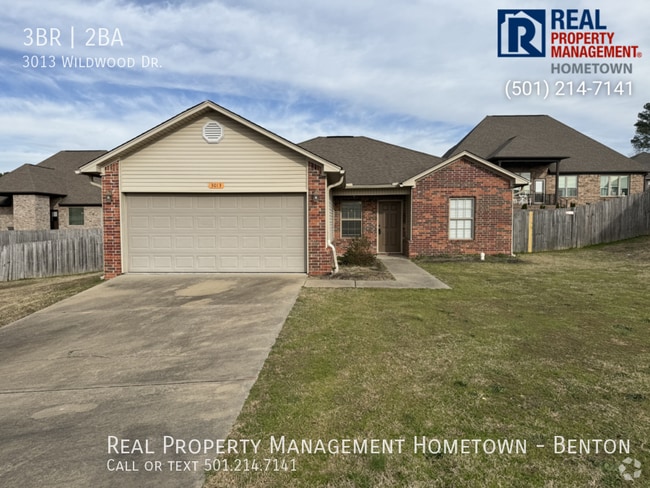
[
  {"x": 209, "y": 191},
  {"x": 563, "y": 165},
  {"x": 644, "y": 159},
  {"x": 50, "y": 195}
]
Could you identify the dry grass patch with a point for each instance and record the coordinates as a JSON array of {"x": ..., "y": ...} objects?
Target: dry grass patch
[
  {"x": 23, "y": 297},
  {"x": 556, "y": 344}
]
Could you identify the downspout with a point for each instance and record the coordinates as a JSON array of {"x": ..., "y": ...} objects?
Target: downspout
[{"x": 327, "y": 221}]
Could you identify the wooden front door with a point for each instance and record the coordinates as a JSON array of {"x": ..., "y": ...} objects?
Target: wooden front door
[{"x": 390, "y": 226}]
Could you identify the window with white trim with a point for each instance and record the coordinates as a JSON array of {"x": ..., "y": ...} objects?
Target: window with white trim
[
  {"x": 614, "y": 185},
  {"x": 568, "y": 186},
  {"x": 350, "y": 219},
  {"x": 461, "y": 218}
]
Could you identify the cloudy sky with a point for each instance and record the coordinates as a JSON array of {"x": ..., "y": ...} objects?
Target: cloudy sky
[{"x": 419, "y": 73}]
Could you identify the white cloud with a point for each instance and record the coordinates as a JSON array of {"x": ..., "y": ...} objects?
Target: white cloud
[{"x": 419, "y": 73}]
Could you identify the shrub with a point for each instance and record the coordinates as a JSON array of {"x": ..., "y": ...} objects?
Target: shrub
[{"x": 359, "y": 253}]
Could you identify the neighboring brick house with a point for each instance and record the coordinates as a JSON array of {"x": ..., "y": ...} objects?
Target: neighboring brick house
[
  {"x": 563, "y": 165},
  {"x": 50, "y": 195},
  {"x": 644, "y": 159},
  {"x": 210, "y": 191}
]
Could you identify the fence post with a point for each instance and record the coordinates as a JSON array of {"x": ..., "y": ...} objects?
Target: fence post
[{"x": 530, "y": 231}]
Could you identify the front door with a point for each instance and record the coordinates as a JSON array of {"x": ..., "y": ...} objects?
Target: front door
[{"x": 390, "y": 227}]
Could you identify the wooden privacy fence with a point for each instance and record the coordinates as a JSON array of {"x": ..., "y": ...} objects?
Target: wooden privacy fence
[
  {"x": 39, "y": 253},
  {"x": 586, "y": 225}
]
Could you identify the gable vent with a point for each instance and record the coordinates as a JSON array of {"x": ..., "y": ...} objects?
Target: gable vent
[{"x": 212, "y": 132}]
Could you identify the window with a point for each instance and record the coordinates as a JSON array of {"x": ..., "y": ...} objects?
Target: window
[
  {"x": 568, "y": 186},
  {"x": 351, "y": 219},
  {"x": 614, "y": 186},
  {"x": 76, "y": 216},
  {"x": 461, "y": 218}
]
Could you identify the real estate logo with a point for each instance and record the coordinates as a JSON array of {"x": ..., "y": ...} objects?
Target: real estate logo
[
  {"x": 573, "y": 33},
  {"x": 522, "y": 33}
]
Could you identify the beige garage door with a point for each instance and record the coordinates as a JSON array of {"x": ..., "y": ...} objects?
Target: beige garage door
[{"x": 215, "y": 233}]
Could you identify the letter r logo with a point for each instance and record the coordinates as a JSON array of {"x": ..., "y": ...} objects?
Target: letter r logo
[{"x": 521, "y": 33}]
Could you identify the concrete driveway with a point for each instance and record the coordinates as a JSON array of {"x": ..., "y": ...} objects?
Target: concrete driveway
[{"x": 93, "y": 388}]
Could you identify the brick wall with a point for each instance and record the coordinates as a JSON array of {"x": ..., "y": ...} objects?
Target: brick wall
[
  {"x": 492, "y": 211},
  {"x": 31, "y": 212},
  {"x": 112, "y": 234},
  {"x": 368, "y": 223},
  {"x": 6, "y": 217},
  {"x": 319, "y": 255},
  {"x": 92, "y": 218},
  {"x": 589, "y": 189}
]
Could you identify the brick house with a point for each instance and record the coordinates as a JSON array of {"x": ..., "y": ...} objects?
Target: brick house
[
  {"x": 50, "y": 195},
  {"x": 210, "y": 191},
  {"x": 563, "y": 165},
  {"x": 412, "y": 203}
]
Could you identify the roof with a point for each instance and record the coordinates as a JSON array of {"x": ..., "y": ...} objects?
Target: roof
[
  {"x": 369, "y": 162},
  {"x": 55, "y": 176},
  {"x": 180, "y": 120},
  {"x": 542, "y": 138},
  {"x": 644, "y": 159}
]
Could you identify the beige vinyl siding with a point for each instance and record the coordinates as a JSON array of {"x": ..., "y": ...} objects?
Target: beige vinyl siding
[{"x": 244, "y": 161}]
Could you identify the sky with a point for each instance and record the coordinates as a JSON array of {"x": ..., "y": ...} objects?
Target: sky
[{"x": 420, "y": 73}]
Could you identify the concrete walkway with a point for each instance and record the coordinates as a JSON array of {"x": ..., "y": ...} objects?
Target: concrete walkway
[{"x": 406, "y": 274}]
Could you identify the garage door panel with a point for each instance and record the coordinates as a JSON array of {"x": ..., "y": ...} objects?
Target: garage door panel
[
  {"x": 162, "y": 242},
  {"x": 212, "y": 233},
  {"x": 182, "y": 202},
  {"x": 161, "y": 202},
  {"x": 162, "y": 263},
  {"x": 228, "y": 243}
]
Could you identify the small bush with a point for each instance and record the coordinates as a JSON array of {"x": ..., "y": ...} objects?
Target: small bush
[{"x": 359, "y": 253}]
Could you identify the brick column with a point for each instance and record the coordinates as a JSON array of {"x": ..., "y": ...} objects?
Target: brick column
[
  {"x": 320, "y": 256},
  {"x": 112, "y": 220}
]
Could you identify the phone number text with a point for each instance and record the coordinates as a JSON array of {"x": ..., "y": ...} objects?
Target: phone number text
[{"x": 545, "y": 89}]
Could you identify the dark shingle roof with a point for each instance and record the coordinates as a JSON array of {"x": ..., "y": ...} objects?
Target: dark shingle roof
[
  {"x": 644, "y": 159},
  {"x": 369, "y": 161},
  {"x": 55, "y": 176},
  {"x": 540, "y": 137}
]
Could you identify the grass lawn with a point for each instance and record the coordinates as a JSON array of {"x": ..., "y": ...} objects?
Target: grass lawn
[
  {"x": 552, "y": 344},
  {"x": 23, "y": 297}
]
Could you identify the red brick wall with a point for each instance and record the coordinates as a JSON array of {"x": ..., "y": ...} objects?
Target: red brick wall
[
  {"x": 368, "y": 223},
  {"x": 492, "y": 211},
  {"x": 111, "y": 210},
  {"x": 319, "y": 255}
]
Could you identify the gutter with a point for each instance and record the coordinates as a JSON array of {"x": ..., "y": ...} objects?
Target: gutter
[{"x": 327, "y": 220}]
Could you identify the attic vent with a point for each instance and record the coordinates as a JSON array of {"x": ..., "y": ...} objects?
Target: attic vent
[{"x": 212, "y": 132}]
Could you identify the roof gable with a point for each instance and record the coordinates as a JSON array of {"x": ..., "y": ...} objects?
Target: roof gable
[
  {"x": 541, "y": 138},
  {"x": 181, "y": 120},
  {"x": 516, "y": 179}
]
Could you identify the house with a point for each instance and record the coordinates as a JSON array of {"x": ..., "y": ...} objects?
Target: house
[
  {"x": 411, "y": 203},
  {"x": 50, "y": 195},
  {"x": 644, "y": 159},
  {"x": 210, "y": 191},
  {"x": 563, "y": 165}
]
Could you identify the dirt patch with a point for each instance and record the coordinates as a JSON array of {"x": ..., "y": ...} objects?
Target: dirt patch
[{"x": 376, "y": 272}]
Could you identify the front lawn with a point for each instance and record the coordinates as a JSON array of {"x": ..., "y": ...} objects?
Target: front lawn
[
  {"x": 23, "y": 297},
  {"x": 552, "y": 344}
]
